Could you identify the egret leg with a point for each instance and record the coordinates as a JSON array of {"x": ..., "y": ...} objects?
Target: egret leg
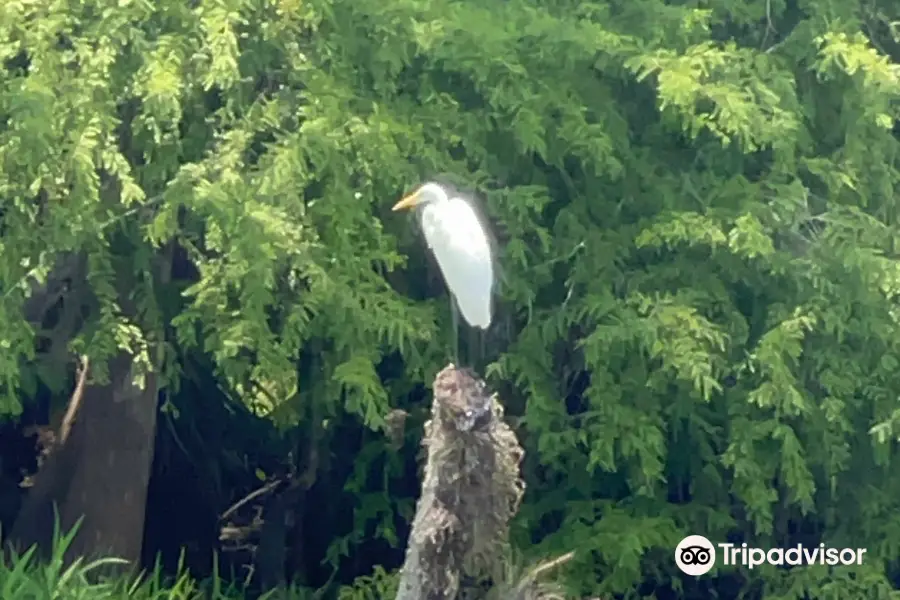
[
  {"x": 482, "y": 348},
  {"x": 475, "y": 338},
  {"x": 455, "y": 312}
]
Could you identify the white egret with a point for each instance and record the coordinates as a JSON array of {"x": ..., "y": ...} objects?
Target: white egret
[{"x": 460, "y": 244}]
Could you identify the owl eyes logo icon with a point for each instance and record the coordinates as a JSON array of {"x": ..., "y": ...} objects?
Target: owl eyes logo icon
[{"x": 695, "y": 555}]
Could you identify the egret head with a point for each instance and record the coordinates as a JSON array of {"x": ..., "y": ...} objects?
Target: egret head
[{"x": 426, "y": 194}]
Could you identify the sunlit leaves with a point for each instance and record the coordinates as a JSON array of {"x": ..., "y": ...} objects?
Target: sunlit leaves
[
  {"x": 776, "y": 357},
  {"x": 748, "y": 238},
  {"x": 364, "y": 394},
  {"x": 745, "y": 106},
  {"x": 682, "y": 228},
  {"x": 686, "y": 342},
  {"x": 854, "y": 54},
  {"x": 160, "y": 81},
  {"x": 219, "y": 20}
]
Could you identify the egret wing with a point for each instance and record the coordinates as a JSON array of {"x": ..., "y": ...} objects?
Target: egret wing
[{"x": 459, "y": 242}]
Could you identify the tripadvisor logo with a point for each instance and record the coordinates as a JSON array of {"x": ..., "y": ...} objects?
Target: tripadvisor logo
[{"x": 695, "y": 555}]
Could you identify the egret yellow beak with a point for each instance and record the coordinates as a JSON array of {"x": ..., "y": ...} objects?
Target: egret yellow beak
[{"x": 407, "y": 203}]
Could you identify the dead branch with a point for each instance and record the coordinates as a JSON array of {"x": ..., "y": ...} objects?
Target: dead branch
[
  {"x": 254, "y": 494},
  {"x": 74, "y": 402},
  {"x": 529, "y": 587}
]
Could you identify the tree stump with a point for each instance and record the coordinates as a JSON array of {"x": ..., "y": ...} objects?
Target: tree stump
[{"x": 470, "y": 491}]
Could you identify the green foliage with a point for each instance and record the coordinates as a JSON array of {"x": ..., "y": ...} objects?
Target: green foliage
[
  {"x": 697, "y": 210},
  {"x": 22, "y": 577},
  {"x": 371, "y": 587}
]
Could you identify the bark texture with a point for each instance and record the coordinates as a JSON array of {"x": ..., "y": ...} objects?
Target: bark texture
[
  {"x": 99, "y": 471},
  {"x": 470, "y": 491}
]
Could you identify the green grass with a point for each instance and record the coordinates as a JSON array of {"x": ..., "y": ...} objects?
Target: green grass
[
  {"x": 23, "y": 577},
  {"x": 27, "y": 578}
]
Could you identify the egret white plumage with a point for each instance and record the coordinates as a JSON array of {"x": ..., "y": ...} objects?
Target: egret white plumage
[{"x": 460, "y": 244}]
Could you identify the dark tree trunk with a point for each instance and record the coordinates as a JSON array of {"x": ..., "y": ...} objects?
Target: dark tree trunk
[
  {"x": 99, "y": 472},
  {"x": 109, "y": 486}
]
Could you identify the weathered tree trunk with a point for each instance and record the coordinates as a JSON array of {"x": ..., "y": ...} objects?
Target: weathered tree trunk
[
  {"x": 37, "y": 518},
  {"x": 470, "y": 491},
  {"x": 109, "y": 486},
  {"x": 99, "y": 472}
]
